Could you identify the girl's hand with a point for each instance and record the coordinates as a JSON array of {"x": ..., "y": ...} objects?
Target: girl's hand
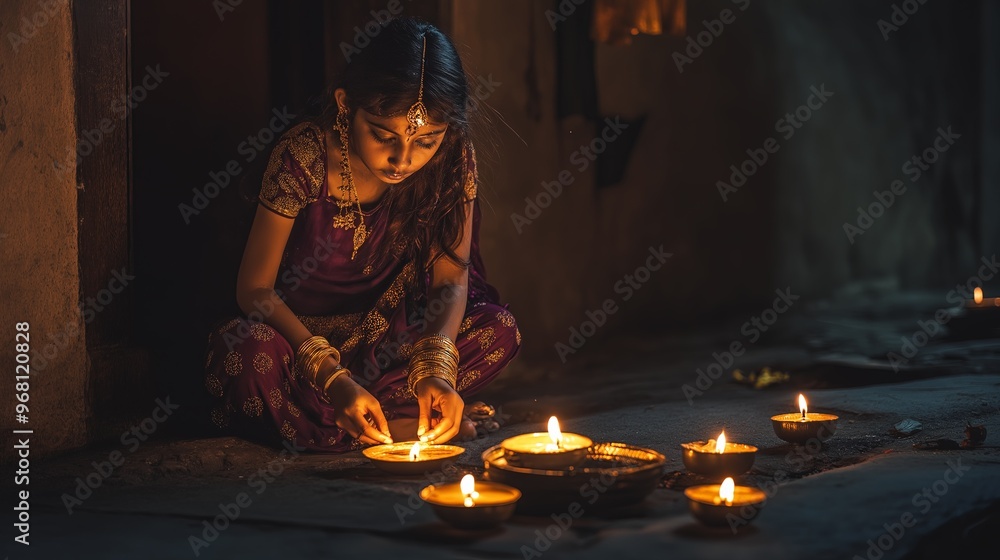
[
  {"x": 434, "y": 393},
  {"x": 353, "y": 403}
]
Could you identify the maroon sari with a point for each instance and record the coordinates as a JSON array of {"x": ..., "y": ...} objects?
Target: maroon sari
[{"x": 367, "y": 311}]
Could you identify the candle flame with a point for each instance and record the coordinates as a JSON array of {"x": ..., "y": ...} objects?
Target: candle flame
[
  {"x": 554, "y": 432},
  {"x": 727, "y": 490},
  {"x": 415, "y": 451},
  {"x": 802, "y": 406},
  {"x": 977, "y": 295},
  {"x": 468, "y": 486},
  {"x": 720, "y": 444}
]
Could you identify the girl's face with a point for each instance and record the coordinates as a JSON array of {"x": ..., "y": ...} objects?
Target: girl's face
[{"x": 384, "y": 147}]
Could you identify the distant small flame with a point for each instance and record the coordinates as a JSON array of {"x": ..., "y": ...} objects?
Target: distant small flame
[
  {"x": 468, "y": 486},
  {"x": 415, "y": 451},
  {"x": 727, "y": 491},
  {"x": 977, "y": 295},
  {"x": 554, "y": 432},
  {"x": 720, "y": 444},
  {"x": 802, "y": 406}
]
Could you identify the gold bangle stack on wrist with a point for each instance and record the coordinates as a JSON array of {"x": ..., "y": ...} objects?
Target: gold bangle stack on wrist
[
  {"x": 433, "y": 356},
  {"x": 310, "y": 357}
]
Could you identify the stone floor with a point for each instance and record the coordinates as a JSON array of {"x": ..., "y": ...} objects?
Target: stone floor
[{"x": 848, "y": 499}]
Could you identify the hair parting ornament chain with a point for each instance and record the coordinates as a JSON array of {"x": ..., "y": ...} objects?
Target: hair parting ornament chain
[
  {"x": 417, "y": 115},
  {"x": 349, "y": 218}
]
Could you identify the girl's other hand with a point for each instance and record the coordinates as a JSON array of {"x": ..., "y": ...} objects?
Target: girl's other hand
[
  {"x": 353, "y": 404},
  {"x": 434, "y": 393}
]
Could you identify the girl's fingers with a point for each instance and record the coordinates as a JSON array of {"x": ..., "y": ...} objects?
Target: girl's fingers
[
  {"x": 369, "y": 430},
  {"x": 423, "y": 420},
  {"x": 365, "y": 439},
  {"x": 443, "y": 427},
  {"x": 380, "y": 422}
]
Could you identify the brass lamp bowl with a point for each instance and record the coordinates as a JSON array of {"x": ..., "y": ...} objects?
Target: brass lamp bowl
[
  {"x": 705, "y": 505},
  {"x": 496, "y": 504},
  {"x": 793, "y": 428},
  {"x": 736, "y": 460},
  {"x": 394, "y": 458}
]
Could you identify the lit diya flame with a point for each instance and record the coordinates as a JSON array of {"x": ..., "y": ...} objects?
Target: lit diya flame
[
  {"x": 555, "y": 433},
  {"x": 720, "y": 444},
  {"x": 802, "y": 406},
  {"x": 415, "y": 451},
  {"x": 468, "y": 486},
  {"x": 727, "y": 491},
  {"x": 977, "y": 295}
]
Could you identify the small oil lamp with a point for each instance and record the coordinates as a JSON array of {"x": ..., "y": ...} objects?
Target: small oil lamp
[
  {"x": 552, "y": 450},
  {"x": 712, "y": 503},
  {"x": 978, "y": 318},
  {"x": 472, "y": 505},
  {"x": 803, "y": 426},
  {"x": 980, "y": 302},
  {"x": 718, "y": 458},
  {"x": 411, "y": 457}
]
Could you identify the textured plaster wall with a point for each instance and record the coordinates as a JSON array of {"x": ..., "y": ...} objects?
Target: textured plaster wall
[
  {"x": 784, "y": 227},
  {"x": 39, "y": 279},
  {"x": 542, "y": 270}
]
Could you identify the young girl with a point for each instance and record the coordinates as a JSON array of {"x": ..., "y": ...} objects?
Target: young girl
[{"x": 368, "y": 315}]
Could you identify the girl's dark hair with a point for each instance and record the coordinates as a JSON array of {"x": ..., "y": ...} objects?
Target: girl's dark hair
[{"x": 426, "y": 210}]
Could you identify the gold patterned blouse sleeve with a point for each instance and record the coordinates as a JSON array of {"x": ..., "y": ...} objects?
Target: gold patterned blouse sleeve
[
  {"x": 471, "y": 175},
  {"x": 295, "y": 172}
]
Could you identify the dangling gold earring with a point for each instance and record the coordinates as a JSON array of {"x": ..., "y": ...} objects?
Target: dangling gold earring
[{"x": 348, "y": 218}]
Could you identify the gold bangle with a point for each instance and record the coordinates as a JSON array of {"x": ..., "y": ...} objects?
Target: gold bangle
[
  {"x": 311, "y": 354},
  {"x": 312, "y": 344},
  {"x": 316, "y": 361},
  {"x": 433, "y": 356},
  {"x": 337, "y": 372}
]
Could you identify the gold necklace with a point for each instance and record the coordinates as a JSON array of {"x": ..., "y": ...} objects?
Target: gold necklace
[{"x": 347, "y": 218}]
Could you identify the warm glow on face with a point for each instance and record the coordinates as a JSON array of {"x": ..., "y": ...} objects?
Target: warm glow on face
[
  {"x": 468, "y": 486},
  {"x": 720, "y": 444},
  {"x": 802, "y": 406},
  {"x": 382, "y": 145},
  {"x": 727, "y": 490},
  {"x": 977, "y": 295},
  {"x": 554, "y": 432},
  {"x": 415, "y": 451}
]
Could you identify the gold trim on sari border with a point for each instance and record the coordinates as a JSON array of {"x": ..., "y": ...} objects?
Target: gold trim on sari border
[
  {"x": 346, "y": 331},
  {"x": 281, "y": 191}
]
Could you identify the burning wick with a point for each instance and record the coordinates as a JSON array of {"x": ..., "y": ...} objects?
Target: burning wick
[
  {"x": 977, "y": 295},
  {"x": 415, "y": 451},
  {"x": 727, "y": 490},
  {"x": 720, "y": 444},
  {"x": 555, "y": 434},
  {"x": 468, "y": 486},
  {"x": 802, "y": 406}
]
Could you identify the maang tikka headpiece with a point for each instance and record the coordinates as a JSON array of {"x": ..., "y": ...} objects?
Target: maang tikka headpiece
[
  {"x": 417, "y": 115},
  {"x": 349, "y": 217}
]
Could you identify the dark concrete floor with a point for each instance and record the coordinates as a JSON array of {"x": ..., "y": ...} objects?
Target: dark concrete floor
[{"x": 837, "y": 501}]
